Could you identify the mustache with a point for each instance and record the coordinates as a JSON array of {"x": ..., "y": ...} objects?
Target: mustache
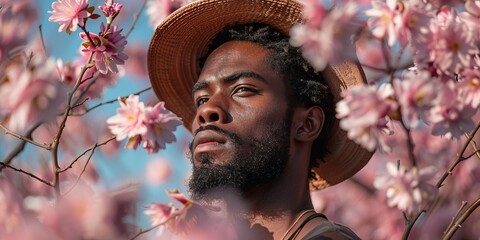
[{"x": 230, "y": 135}]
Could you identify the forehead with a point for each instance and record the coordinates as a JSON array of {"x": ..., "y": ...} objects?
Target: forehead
[{"x": 237, "y": 56}]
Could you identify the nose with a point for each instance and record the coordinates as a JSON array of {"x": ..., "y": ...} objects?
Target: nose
[{"x": 213, "y": 111}]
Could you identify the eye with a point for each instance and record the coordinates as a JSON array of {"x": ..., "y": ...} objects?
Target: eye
[
  {"x": 244, "y": 90},
  {"x": 201, "y": 101}
]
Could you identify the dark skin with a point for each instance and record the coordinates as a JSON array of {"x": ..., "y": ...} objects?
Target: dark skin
[{"x": 238, "y": 91}]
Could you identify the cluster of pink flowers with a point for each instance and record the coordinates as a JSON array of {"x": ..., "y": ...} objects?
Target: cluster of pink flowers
[
  {"x": 407, "y": 189},
  {"x": 137, "y": 122},
  {"x": 106, "y": 47},
  {"x": 325, "y": 38},
  {"x": 364, "y": 113}
]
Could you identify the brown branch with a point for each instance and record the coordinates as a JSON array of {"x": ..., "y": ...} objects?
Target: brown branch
[
  {"x": 42, "y": 41},
  {"x": 459, "y": 157},
  {"x": 92, "y": 148},
  {"x": 410, "y": 224},
  {"x": 476, "y": 152},
  {"x": 474, "y": 146},
  {"x": 464, "y": 203},
  {"x": 83, "y": 170},
  {"x": 461, "y": 219},
  {"x": 173, "y": 215},
  {"x": 23, "y": 138},
  {"x": 135, "y": 18},
  {"x": 19, "y": 148},
  {"x": 110, "y": 102},
  {"x": 27, "y": 173}
]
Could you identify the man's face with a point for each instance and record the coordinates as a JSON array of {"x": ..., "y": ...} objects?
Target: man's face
[{"x": 242, "y": 125}]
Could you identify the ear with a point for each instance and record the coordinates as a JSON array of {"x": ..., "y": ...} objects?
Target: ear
[{"x": 309, "y": 123}]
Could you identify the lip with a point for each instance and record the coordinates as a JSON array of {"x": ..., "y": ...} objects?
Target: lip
[{"x": 207, "y": 140}]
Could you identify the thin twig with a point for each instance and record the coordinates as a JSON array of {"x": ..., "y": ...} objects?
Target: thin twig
[
  {"x": 135, "y": 18},
  {"x": 27, "y": 173},
  {"x": 461, "y": 219},
  {"x": 23, "y": 138},
  {"x": 154, "y": 226},
  {"x": 42, "y": 41},
  {"x": 83, "y": 170},
  {"x": 464, "y": 203},
  {"x": 92, "y": 148},
  {"x": 459, "y": 157},
  {"x": 80, "y": 103},
  {"x": 410, "y": 224},
  {"x": 111, "y": 101},
  {"x": 474, "y": 145},
  {"x": 21, "y": 145},
  {"x": 471, "y": 155}
]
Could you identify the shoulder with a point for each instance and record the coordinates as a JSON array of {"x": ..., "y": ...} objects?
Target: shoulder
[{"x": 330, "y": 230}]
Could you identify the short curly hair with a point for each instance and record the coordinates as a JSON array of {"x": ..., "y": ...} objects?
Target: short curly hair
[{"x": 306, "y": 86}]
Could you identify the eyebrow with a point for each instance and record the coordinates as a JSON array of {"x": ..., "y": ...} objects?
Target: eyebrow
[{"x": 230, "y": 78}]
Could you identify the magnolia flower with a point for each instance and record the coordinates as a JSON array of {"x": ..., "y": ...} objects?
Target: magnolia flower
[
  {"x": 384, "y": 18},
  {"x": 326, "y": 38},
  {"x": 31, "y": 94},
  {"x": 364, "y": 114},
  {"x": 107, "y": 48},
  {"x": 159, "y": 214},
  {"x": 407, "y": 189},
  {"x": 416, "y": 93},
  {"x": 69, "y": 14}
]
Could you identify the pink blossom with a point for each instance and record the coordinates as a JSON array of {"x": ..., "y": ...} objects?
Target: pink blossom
[
  {"x": 69, "y": 14},
  {"x": 137, "y": 63},
  {"x": 31, "y": 94},
  {"x": 161, "y": 124},
  {"x": 110, "y": 9},
  {"x": 364, "y": 114},
  {"x": 451, "y": 117},
  {"x": 152, "y": 127},
  {"x": 416, "y": 93},
  {"x": 159, "y": 214},
  {"x": 107, "y": 48},
  {"x": 407, "y": 189},
  {"x": 450, "y": 47},
  {"x": 158, "y": 171},
  {"x": 10, "y": 209},
  {"x": 384, "y": 16},
  {"x": 326, "y": 38},
  {"x": 469, "y": 87},
  {"x": 129, "y": 121},
  {"x": 473, "y": 7}
]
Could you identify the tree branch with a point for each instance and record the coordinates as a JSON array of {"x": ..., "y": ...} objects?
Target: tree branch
[
  {"x": 461, "y": 219},
  {"x": 27, "y": 173},
  {"x": 135, "y": 18},
  {"x": 92, "y": 148},
  {"x": 25, "y": 139},
  {"x": 19, "y": 148}
]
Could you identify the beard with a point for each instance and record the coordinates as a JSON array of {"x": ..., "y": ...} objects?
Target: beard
[{"x": 255, "y": 162}]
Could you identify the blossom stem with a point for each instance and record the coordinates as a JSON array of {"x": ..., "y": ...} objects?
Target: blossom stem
[
  {"x": 461, "y": 219},
  {"x": 173, "y": 215},
  {"x": 459, "y": 157},
  {"x": 84, "y": 29},
  {"x": 474, "y": 146},
  {"x": 27, "y": 173},
  {"x": 135, "y": 18},
  {"x": 23, "y": 138}
]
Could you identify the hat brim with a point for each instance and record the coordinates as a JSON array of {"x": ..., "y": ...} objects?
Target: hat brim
[{"x": 184, "y": 37}]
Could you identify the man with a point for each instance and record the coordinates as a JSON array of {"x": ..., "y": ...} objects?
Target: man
[{"x": 262, "y": 118}]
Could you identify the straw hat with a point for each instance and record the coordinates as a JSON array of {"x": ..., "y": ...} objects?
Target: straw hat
[{"x": 184, "y": 37}]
